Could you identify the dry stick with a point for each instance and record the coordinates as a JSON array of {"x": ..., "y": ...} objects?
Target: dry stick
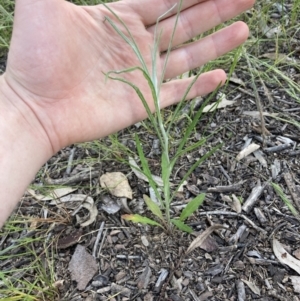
[
  {"x": 74, "y": 179},
  {"x": 98, "y": 238},
  {"x": 70, "y": 161},
  {"x": 260, "y": 216},
  {"x": 252, "y": 198},
  {"x": 258, "y": 103},
  {"x": 235, "y": 214},
  {"x": 102, "y": 242},
  {"x": 229, "y": 188},
  {"x": 267, "y": 93},
  {"x": 292, "y": 188}
]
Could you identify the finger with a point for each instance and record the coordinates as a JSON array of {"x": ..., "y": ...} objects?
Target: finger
[
  {"x": 173, "y": 91},
  {"x": 199, "y": 19},
  {"x": 196, "y": 54},
  {"x": 151, "y": 10}
]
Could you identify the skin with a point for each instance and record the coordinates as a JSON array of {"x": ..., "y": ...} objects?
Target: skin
[{"x": 54, "y": 92}]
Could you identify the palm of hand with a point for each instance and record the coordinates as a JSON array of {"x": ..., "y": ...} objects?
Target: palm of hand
[{"x": 58, "y": 57}]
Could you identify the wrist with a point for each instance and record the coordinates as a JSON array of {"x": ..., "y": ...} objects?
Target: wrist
[{"x": 23, "y": 148}]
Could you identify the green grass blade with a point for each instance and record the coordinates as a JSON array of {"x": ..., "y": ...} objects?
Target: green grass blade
[
  {"x": 181, "y": 225},
  {"x": 141, "y": 96},
  {"x": 130, "y": 41},
  {"x": 166, "y": 170},
  {"x": 195, "y": 165},
  {"x": 187, "y": 150},
  {"x": 191, "y": 207},
  {"x": 146, "y": 169},
  {"x": 153, "y": 207},
  {"x": 136, "y": 218},
  {"x": 182, "y": 101},
  {"x": 170, "y": 45},
  {"x": 284, "y": 198},
  {"x": 193, "y": 124}
]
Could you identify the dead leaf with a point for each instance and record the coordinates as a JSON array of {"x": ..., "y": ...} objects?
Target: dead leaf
[
  {"x": 54, "y": 194},
  {"x": 219, "y": 105},
  {"x": 199, "y": 240},
  {"x": 296, "y": 283},
  {"x": 117, "y": 184},
  {"x": 253, "y": 287},
  {"x": 247, "y": 151},
  {"x": 136, "y": 170},
  {"x": 82, "y": 267},
  {"x": 236, "y": 80},
  {"x": 236, "y": 204},
  {"x": 284, "y": 257},
  {"x": 78, "y": 201},
  {"x": 209, "y": 244}
]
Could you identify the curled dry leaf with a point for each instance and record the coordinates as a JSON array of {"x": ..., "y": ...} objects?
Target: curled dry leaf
[
  {"x": 117, "y": 184},
  {"x": 54, "y": 194},
  {"x": 199, "y": 240},
  {"x": 284, "y": 257},
  {"x": 247, "y": 151},
  {"x": 75, "y": 201}
]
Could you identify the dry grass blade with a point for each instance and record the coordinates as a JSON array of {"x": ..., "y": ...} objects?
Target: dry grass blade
[{"x": 198, "y": 241}]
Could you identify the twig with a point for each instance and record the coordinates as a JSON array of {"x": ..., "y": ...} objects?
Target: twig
[
  {"x": 84, "y": 176},
  {"x": 229, "y": 188},
  {"x": 102, "y": 242},
  {"x": 98, "y": 238},
  {"x": 258, "y": 102},
  {"x": 252, "y": 198},
  {"x": 277, "y": 148},
  {"x": 70, "y": 162},
  {"x": 235, "y": 214}
]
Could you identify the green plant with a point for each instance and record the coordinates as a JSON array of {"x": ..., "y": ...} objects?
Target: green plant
[
  {"x": 26, "y": 275},
  {"x": 163, "y": 194}
]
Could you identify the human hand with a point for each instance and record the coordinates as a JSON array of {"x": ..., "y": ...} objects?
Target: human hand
[{"x": 60, "y": 52}]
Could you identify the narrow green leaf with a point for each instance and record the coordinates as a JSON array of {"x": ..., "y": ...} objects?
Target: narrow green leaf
[
  {"x": 193, "y": 124},
  {"x": 192, "y": 206},
  {"x": 165, "y": 167},
  {"x": 136, "y": 218},
  {"x": 146, "y": 169},
  {"x": 139, "y": 93},
  {"x": 196, "y": 164},
  {"x": 130, "y": 41},
  {"x": 181, "y": 226},
  {"x": 284, "y": 198},
  {"x": 153, "y": 207},
  {"x": 187, "y": 150}
]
